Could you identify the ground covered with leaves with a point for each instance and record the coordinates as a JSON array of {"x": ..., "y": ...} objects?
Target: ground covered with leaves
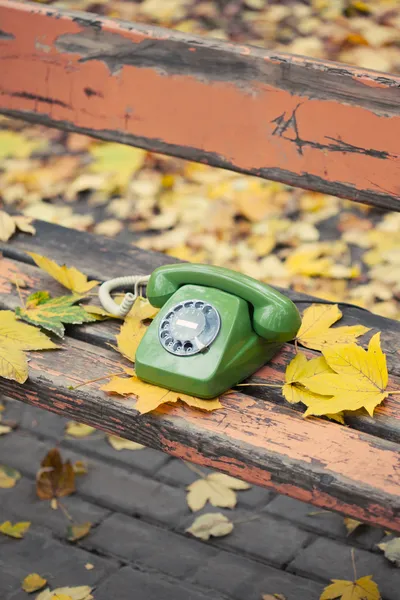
[{"x": 311, "y": 242}]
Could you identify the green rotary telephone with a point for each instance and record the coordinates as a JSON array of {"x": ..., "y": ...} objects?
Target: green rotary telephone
[{"x": 215, "y": 328}]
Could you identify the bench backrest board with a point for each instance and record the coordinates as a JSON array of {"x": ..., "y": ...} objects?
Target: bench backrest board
[{"x": 319, "y": 125}]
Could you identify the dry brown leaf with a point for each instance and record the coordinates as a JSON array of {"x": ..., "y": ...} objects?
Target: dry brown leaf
[{"x": 55, "y": 478}]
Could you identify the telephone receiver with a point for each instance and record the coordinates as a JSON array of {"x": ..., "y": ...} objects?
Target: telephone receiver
[{"x": 215, "y": 328}]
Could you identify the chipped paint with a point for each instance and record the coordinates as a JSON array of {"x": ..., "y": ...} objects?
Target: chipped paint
[{"x": 316, "y": 125}]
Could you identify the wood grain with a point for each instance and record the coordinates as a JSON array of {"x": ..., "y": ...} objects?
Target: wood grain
[
  {"x": 384, "y": 424},
  {"x": 103, "y": 259},
  {"x": 313, "y": 460},
  {"x": 319, "y": 125}
]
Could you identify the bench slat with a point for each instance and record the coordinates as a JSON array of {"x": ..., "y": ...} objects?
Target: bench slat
[
  {"x": 385, "y": 424},
  {"x": 319, "y": 125},
  {"x": 315, "y": 461},
  {"x": 106, "y": 258}
]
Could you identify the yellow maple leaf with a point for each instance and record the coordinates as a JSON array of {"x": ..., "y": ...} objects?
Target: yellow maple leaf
[
  {"x": 134, "y": 328},
  {"x": 33, "y": 582},
  {"x": 20, "y": 335},
  {"x": 301, "y": 369},
  {"x": 16, "y": 531},
  {"x": 217, "y": 488},
  {"x": 359, "y": 379},
  {"x": 315, "y": 331},
  {"x": 13, "y": 363},
  {"x": 69, "y": 277},
  {"x": 151, "y": 396},
  {"x": 361, "y": 589}
]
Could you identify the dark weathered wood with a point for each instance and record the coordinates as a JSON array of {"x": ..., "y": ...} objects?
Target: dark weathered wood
[
  {"x": 319, "y": 125},
  {"x": 313, "y": 460},
  {"x": 385, "y": 424},
  {"x": 103, "y": 259}
]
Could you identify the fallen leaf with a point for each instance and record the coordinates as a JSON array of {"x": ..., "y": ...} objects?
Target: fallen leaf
[
  {"x": 4, "y": 429},
  {"x": 359, "y": 380},
  {"x": 134, "y": 328},
  {"x": 13, "y": 363},
  {"x": 391, "y": 550},
  {"x": 76, "y": 532},
  {"x": 33, "y": 583},
  {"x": 210, "y": 524},
  {"x": 82, "y": 592},
  {"x": 89, "y": 566},
  {"x": 351, "y": 524},
  {"x": 362, "y": 589},
  {"x": 53, "y": 313},
  {"x": 273, "y": 597},
  {"x": 15, "y": 531},
  {"x": 16, "y": 145},
  {"x": 55, "y": 478},
  {"x": 120, "y": 162},
  {"x": 98, "y": 312},
  {"x": 69, "y": 277},
  {"x": 316, "y": 332},
  {"x": 80, "y": 467},
  {"x": 24, "y": 224},
  {"x": 298, "y": 369},
  {"x": 217, "y": 488},
  {"x": 78, "y": 430},
  {"x": 20, "y": 335},
  {"x": 149, "y": 397},
  {"x": 7, "y": 226},
  {"x": 8, "y": 477},
  {"x": 119, "y": 443}
]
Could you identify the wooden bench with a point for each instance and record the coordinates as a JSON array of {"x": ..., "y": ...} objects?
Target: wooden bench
[{"x": 318, "y": 125}]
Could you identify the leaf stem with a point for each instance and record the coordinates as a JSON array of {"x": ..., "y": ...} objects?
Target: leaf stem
[
  {"x": 354, "y": 564},
  {"x": 195, "y": 469},
  {"x": 65, "y": 511},
  {"x": 19, "y": 294},
  {"x": 107, "y": 376},
  {"x": 394, "y": 392}
]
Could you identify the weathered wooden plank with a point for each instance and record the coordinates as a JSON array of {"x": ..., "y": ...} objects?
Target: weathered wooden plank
[
  {"x": 106, "y": 258},
  {"x": 384, "y": 424},
  {"x": 314, "y": 124},
  {"x": 313, "y": 460}
]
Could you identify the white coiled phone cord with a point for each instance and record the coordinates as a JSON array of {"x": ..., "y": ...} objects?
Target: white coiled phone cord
[{"x": 121, "y": 310}]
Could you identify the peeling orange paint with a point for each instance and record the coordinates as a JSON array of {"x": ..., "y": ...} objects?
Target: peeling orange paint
[{"x": 252, "y": 125}]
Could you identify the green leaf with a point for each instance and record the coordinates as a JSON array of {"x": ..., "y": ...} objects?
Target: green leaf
[{"x": 52, "y": 313}]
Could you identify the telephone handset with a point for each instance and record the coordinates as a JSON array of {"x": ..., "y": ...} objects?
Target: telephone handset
[{"x": 215, "y": 328}]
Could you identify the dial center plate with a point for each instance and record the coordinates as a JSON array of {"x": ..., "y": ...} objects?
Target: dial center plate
[{"x": 189, "y": 327}]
